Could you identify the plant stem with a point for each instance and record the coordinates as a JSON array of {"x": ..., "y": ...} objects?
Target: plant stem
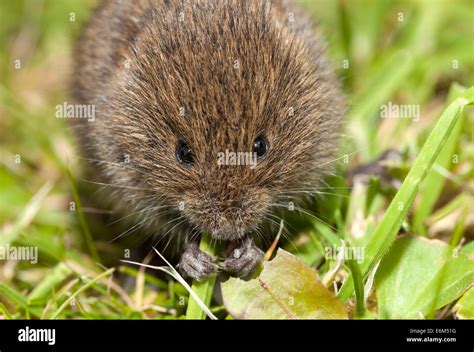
[
  {"x": 82, "y": 220},
  {"x": 204, "y": 288}
]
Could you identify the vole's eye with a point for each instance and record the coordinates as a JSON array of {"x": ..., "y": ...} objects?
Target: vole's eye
[
  {"x": 184, "y": 153},
  {"x": 260, "y": 146}
]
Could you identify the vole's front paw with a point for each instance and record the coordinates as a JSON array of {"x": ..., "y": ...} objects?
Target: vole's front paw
[
  {"x": 244, "y": 256},
  {"x": 196, "y": 264}
]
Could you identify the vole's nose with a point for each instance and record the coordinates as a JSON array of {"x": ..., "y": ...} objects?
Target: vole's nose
[
  {"x": 223, "y": 213},
  {"x": 228, "y": 232},
  {"x": 226, "y": 219}
]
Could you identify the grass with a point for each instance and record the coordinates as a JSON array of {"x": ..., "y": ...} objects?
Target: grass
[
  {"x": 408, "y": 53},
  {"x": 203, "y": 289},
  {"x": 388, "y": 228}
]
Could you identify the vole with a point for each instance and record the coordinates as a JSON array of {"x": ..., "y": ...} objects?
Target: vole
[{"x": 177, "y": 84}]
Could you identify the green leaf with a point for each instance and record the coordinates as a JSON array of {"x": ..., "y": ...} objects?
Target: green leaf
[
  {"x": 465, "y": 306},
  {"x": 468, "y": 250},
  {"x": 419, "y": 276},
  {"x": 287, "y": 288}
]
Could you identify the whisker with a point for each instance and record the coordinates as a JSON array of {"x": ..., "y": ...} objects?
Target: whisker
[
  {"x": 284, "y": 233},
  {"x": 98, "y": 161},
  {"x": 314, "y": 193},
  {"x": 118, "y": 186},
  {"x": 169, "y": 222},
  {"x": 140, "y": 211},
  {"x": 304, "y": 212},
  {"x": 170, "y": 237},
  {"x": 129, "y": 231}
]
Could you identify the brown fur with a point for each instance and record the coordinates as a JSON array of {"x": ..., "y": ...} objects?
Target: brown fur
[{"x": 139, "y": 63}]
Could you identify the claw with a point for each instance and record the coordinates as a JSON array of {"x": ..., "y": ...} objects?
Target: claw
[
  {"x": 196, "y": 264},
  {"x": 243, "y": 258}
]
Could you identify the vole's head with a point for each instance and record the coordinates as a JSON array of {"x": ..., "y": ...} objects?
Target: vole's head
[{"x": 191, "y": 102}]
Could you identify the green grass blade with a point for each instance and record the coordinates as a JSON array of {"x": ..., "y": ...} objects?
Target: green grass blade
[
  {"x": 13, "y": 295},
  {"x": 47, "y": 285},
  {"x": 203, "y": 289},
  {"x": 359, "y": 287},
  {"x": 28, "y": 214},
  {"x": 4, "y": 311},
  {"x": 80, "y": 290},
  {"x": 80, "y": 214},
  {"x": 434, "y": 182},
  {"x": 387, "y": 230},
  {"x": 18, "y": 299}
]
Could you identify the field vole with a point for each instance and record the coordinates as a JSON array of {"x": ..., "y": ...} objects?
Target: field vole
[{"x": 176, "y": 84}]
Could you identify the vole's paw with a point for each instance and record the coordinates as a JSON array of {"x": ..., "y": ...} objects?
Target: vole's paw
[
  {"x": 244, "y": 256},
  {"x": 196, "y": 264}
]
